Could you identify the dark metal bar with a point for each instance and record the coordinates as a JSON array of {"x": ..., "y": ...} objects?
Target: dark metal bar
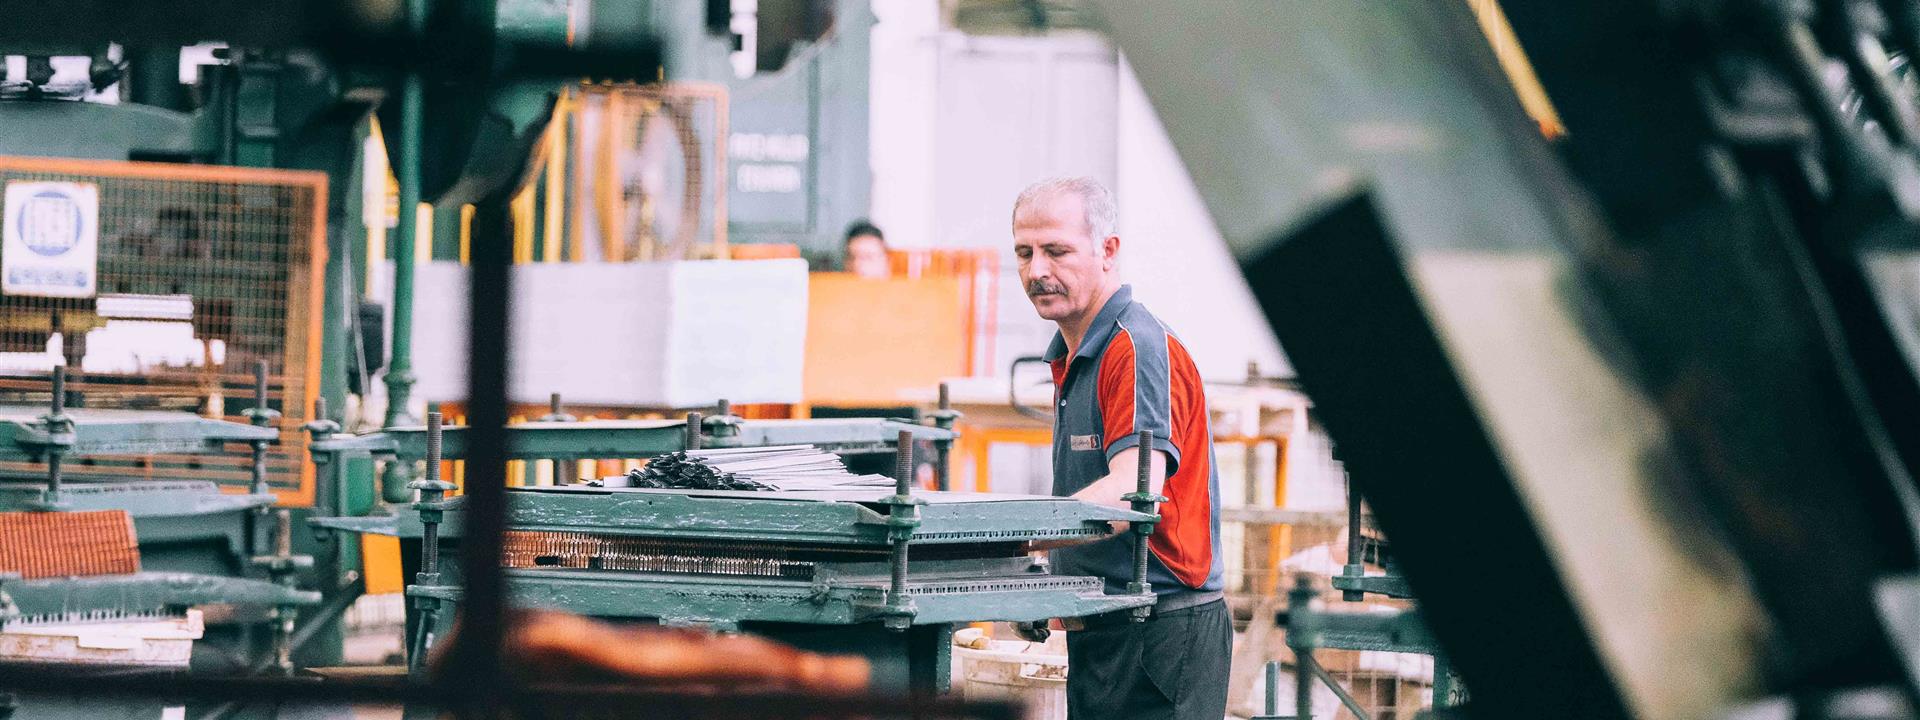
[
  {"x": 478, "y": 681},
  {"x": 1356, "y": 546},
  {"x": 56, "y": 423},
  {"x": 1144, "y": 500},
  {"x": 1309, "y": 665},
  {"x": 1273, "y": 688},
  {"x": 943, "y": 418},
  {"x": 903, "y": 487},
  {"x": 693, "y": 431}
]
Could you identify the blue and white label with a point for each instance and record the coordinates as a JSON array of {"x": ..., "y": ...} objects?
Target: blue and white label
[{"x": 50, "y": 239}]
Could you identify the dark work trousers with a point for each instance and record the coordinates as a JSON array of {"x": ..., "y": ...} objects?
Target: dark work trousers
[{"x": 1172, "y": 666}]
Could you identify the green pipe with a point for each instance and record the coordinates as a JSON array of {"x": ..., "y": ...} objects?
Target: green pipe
[{"x": 406, "y": 168}]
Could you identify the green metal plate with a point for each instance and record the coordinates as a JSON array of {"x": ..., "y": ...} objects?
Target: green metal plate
[
  {"x": 1393, "y": 631},
  {"x": 748, "y": 599},
  {"x": 122, "y": 432},
  {"x": 143, "y": 499},
  {"x": 837, "y": 517},
  {"x": 146, "y": 592},
  {"x": 638, "y": 438}
]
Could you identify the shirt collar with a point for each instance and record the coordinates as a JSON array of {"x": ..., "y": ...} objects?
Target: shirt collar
[{"x": 1098, "y": 332}]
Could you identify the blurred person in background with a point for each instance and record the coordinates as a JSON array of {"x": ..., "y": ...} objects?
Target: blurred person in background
[{"x": 866, "y": 251}]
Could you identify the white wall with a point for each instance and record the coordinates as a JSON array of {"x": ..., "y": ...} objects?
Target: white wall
[
  {"x": 960, "y": 124},
  {"x": 1173, "y": 255}
]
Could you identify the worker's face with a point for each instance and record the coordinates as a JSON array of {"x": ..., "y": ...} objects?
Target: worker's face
[
  {"x": 867, "y": 257},
  {"x": 1063, "y": 268}
]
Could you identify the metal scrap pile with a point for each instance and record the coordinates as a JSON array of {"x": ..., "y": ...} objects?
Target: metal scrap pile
[{"x": 780, "y": 467}]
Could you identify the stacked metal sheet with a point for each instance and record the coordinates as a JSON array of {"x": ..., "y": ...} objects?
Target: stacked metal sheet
[{"x": 780, "y": 467}]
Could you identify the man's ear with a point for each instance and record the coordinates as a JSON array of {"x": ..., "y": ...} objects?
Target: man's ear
[{"x": 1109, "y": 252}]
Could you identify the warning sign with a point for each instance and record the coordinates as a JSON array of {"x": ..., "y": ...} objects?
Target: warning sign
[{"x": 50, "y": 246}]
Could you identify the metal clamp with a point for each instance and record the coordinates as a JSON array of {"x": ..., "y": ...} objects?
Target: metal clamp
[
  {"x": 944, "y": 418},
  {"x": 261, "y": 416},
  {"x": 1145, "y": 502},
  {"x": 59, "y": 436},
  {"x": 283, "y": 567},
  {"x": 903, "y": 517},
  {"x": 564, "y": 469},
  {"x": 432, "y": 507},
  {"x": 723, "y": 424}
]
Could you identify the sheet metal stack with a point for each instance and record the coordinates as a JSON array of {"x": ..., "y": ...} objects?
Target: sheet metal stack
[{"x": 780, "y": 467}]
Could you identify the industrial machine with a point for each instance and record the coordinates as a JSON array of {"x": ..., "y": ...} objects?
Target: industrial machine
[
  {"x": 105, "y": 571},
  {"x": 886, "y": 575}
]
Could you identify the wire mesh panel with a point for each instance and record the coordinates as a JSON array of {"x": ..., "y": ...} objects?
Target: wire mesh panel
[{"x": 203, "y": 271}]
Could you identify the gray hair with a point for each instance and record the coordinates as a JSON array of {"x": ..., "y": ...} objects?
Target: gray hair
[{"x": 1094, "y": 196}]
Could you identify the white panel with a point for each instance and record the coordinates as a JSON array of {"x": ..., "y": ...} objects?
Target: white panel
[{"x": 644, "y": 334}]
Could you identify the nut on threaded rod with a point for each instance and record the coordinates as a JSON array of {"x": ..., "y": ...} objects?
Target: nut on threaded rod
[
  {"x": 432, "y": 504},
  {"x": 1144, "y": 501},
  {"x": 59, "y": 430},
  {"x": 944, "y": 418}
]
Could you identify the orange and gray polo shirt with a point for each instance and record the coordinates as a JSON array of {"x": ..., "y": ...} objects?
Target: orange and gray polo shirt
[{"x": 1131, "y": 374}]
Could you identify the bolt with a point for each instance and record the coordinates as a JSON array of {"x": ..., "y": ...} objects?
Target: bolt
[{"x": 693, "y": 431}]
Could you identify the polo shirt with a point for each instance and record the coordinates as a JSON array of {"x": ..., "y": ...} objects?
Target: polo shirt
[{"x": 1130, "y": 374}]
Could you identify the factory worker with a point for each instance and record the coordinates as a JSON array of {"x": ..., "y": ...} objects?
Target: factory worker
[{"x": 1118, "y": 370}]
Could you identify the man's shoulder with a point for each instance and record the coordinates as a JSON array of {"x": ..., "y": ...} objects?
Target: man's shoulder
[{"x": 1139, "y": 332}]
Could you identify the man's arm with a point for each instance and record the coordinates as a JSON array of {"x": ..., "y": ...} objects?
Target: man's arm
[{"x": 1123, "y": 476}]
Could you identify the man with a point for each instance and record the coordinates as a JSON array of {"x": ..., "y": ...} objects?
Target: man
[
  {"x": 1118, "y": 371},
  {"x": 867, "y": 251}
]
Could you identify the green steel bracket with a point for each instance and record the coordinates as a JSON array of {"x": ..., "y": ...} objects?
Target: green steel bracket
[
  {"x": 836, "y": 517},
  {"x": 147, "y": 591},
  {"x": 750, "y": 599},
  {"x": 592, "y": 439},
  {"x": 23, "y": 435},
  {"x": 401, "y": 524},
  {"x": 839, "y": 518},
  {"x": 1386, "y": 631},
  {"x": 142, "y": 499},
  {"x": 1392, "y": 586}
]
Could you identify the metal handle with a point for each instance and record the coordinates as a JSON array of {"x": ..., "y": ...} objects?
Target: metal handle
[{"x": 1013, "y": 389}]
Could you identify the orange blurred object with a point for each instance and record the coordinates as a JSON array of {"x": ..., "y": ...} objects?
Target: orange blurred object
[{"x": 547, "y": 644}]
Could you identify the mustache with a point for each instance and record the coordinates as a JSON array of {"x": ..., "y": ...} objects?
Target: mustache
[{"x": 1041, "y": 287}]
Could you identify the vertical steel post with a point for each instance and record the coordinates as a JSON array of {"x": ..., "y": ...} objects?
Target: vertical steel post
[
  {"x": 1145, "y": 501},
  {"x": 903, "y": 517},
  {"x": 57, "y": 424},
  {"x": 1273, "y": 688},
  {"x": 260, "y": 416},
  {"x": 1356, "y": 548},
  {"x": 943, "y": 418},
  {"x": 693, "y": 431},
  {"x": 564, "y": 469},
  {"x": 406, "y": 170},
  {"x": 432, "y": 508}
]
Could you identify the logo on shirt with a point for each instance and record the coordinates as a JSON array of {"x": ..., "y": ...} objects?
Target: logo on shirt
[{"x": 1084, "y": 442}]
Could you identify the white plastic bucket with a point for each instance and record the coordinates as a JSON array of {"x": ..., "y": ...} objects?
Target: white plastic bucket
[{"x": 1015, "y": 670}]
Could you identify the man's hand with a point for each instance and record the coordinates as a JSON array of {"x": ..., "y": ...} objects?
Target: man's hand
[
  {"x": 1123, "y": 476},
  {"x": 1036, "y": 631}
]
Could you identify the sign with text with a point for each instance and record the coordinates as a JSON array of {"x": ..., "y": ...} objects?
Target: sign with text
[{"x": 50, "y": 246}]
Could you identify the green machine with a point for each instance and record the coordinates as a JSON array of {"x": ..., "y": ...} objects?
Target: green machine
[
  {"x": 198, "y": 547},
  {"x": 885, "y": 574}
]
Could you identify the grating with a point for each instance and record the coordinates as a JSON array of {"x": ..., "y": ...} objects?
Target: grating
[
  {"x": 243, "y": 245},
  {"x": 62, "y": 544}
]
